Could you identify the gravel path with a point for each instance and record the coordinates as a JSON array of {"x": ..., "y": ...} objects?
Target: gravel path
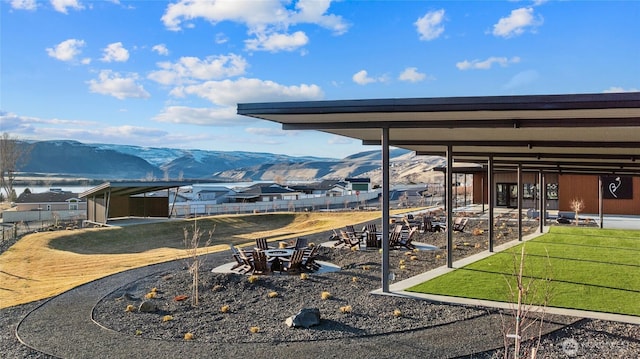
[{"x": 63, "y": 326}]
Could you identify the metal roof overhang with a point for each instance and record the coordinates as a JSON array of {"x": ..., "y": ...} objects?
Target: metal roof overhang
[
  {"x": 581, "y": 133},
  {"x": 130, "y": 188}
]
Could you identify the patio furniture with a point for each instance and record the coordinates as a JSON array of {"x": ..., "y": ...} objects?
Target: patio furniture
[
  {"x": 260, "y": 263},
  {"x": 300, "y": 243},
  {"x": 261, "y": 243},
  {"x": 407, "y": 237},
  {"x": 246, "y": 258},
  {"x": 372, "y": 239},
  {"x": 394, "y": 239},
  {"x": 293, "y": 263},
  {"x": 309, "y": 259},
  {"x": 241, "y": 266},
  {"x": 459, "y": 223},
  {"x": 349, "y": 239}
]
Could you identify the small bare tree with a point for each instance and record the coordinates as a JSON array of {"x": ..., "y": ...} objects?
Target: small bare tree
[
  {"x": 577, "y": 205},
  {"x": 527, "y": 317},
  {"x": 12, "y": 155},
  {"x": 194, "y": 262}
]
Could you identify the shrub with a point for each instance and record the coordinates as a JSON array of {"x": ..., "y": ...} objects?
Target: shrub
[
  {"x": 188, "y": 336},
  {"x": 254, "y": 329},
  {"x": 252, "y": 279},
  {"x": 304, "y": 276},
  {"x": 401, "y": 262},
  {"x": 354, "y": 279},
  {"x": 138, "y": 332},
  {"x": 325, "y": 295},
  {"x": 150, "y": 295},
  {"x": 403, "y": 267},
  {"x": 397, "y": 313},
  {"x": 167, "y": 318},
  {"x": 366, "y": 267},
  {"x": 414, "y": 258},
  {"x": 346, "y": 309},
  {"x": 224, "y": 308},
  {"x": 272, "y": 294},
  {"x": 130, "y": 308}
]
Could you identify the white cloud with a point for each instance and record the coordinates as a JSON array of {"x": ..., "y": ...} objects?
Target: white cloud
[
  {"x": 430, "y": 25},
  {"x": 516, "y": 23},
  {"x": 115, "y": 52},
  {"x": 190, "y": 69},
  {"x": 161, "y": 49},
  {"x": 229, "y": 93},
  {"x": 362, "y": 78},
  {"x": 267, "y": 21},
  {"x": 221, "y": 38},
  {"x": 339, "y": 140},
  {"x": 63, "y": 5},
  {"x": 522, "y": 79},
  {"x": 269, "y": 132},
  {"x": 277, "y": 42},
  {"x": 24, "y": 4},
  {"x": 411, "y": 74},
  {"x": 222, "y": 116},
  {"x": 113, "y": 84},
  {"x": 66, "y": 50},
  {"x": 486, "y": 64},
  {"x": 613, "y": 89}
]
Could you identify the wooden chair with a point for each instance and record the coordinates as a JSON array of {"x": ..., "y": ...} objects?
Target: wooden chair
[
  {"x": 336, "y": 237},
  {"x": 300, "y": 243},
  {"x": 247, "y": 259},
  {"x": 406, "y": 239},
  {"x": 372, "y": 239},
  {"x": 260, "y": 263},
  {"x": 240, "y": 265},
  {"x": 294, "y": 263},
  {"x": 309, "y": 259},
  {"x": 349, "y": 239},
  {"x": 459, "y": 224},
  {"x": 427, "y": 225},
  {"x": 261, "y": 243},
  {"x": 394, "y": 239}
]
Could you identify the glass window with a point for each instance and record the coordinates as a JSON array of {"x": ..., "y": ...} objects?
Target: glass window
[{"x": 529, "y": 191}]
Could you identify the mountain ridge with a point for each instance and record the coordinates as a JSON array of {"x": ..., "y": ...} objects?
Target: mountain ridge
[{"x": 126, "y": 162}]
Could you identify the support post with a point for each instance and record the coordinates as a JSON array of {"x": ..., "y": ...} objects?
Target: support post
[
  {"x": 600, "y": 202},
  {"x": 385, "y": 210},
  {"x": 520, "y": 201},
  {"x": 490, "y": 195},
  {"x": 449, "y": 202},
  {"x": 543, "y": 201}
]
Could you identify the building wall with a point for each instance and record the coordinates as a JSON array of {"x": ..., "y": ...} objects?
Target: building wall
[
  {"x": 586, "y": 188},
  {"x": 480, "y": 187}
]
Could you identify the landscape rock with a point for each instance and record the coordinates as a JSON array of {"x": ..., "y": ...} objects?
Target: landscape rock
[
  {"x": 147, "y": 307},
  {"x": 305, "y": 318}
]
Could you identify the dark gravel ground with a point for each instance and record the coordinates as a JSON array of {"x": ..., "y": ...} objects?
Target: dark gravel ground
[{"x": 369, "y": 328}]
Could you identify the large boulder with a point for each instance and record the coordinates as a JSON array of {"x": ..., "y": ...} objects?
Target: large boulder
[{"x": 305, "y": 318}]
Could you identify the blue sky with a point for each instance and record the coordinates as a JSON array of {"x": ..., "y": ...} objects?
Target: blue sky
[{"x": 169, "y": 74}]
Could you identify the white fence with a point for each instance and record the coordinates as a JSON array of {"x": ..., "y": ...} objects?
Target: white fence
[
  {"x": 194, "y": 208},
  {"x": 42, "y": 216}
]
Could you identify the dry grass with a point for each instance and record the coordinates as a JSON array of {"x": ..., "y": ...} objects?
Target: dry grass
[{"x": 42, "y": 265}]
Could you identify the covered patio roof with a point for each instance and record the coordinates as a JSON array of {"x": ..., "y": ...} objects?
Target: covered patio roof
[
  {"x": 591, "y": 133},
  {"x": 584, "y": 133}
]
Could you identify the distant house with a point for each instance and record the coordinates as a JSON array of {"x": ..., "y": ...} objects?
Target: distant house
[
  {"x": 46, "y": 206},
  {"x": 265, "y": 192},
  {"x": 50, "y": 201}
]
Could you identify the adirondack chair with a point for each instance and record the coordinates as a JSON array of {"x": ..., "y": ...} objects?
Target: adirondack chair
[
  {"x": 394, "y": 239},
  {"x": 309, "y": 259},
  {"x": 426, "y": 225},
  {"x": 260, "y": 263},
  {"x": 294, "y": 263},
  {"x": 371, "y": 240},
  {"x": 459, "y": 223},
  {"x": 261, "y": 243},
  {"x": 407, "y": 237},
  {"x": 246, "y": 258},
  {"x": 241, "y": 266},
  {"x": 349, "y": 239},
  {"x": 300, "y": 243}
]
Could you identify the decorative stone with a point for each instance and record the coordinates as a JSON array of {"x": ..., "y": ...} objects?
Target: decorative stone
[
  {"x": 147, "y": 307},
  {"x": 305, "y": 318}
]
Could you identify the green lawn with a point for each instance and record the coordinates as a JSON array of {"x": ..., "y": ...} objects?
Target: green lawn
[{"x": 589, "y": 269}]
